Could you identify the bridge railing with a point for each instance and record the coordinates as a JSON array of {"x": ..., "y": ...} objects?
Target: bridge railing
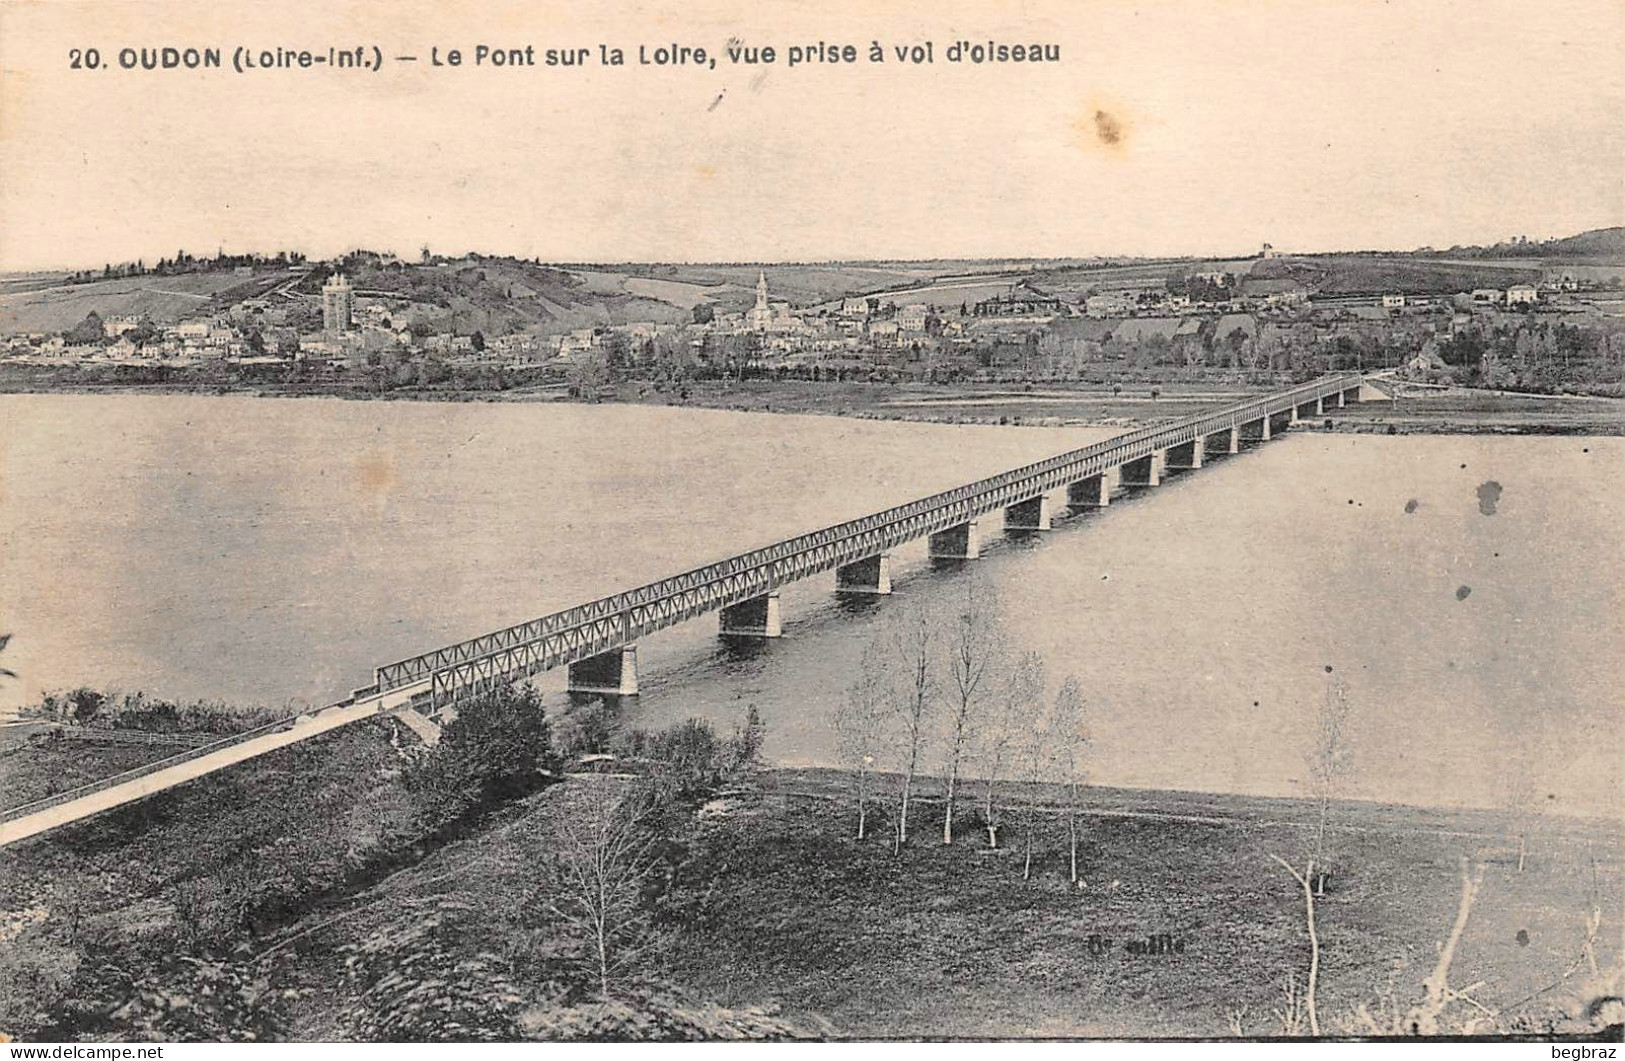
[
  {"x": 68, "y": 796},
  {"x": 598, "y": 625}
]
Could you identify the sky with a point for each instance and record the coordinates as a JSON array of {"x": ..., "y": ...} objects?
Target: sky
[{"x": 1166, "y": 128}]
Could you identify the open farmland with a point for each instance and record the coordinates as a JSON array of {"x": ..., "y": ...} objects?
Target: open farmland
[
  {"x": 17, "y": 283},
  {"x": 163, "y": 299},
  {"x": 1357, "y": 273},
  {"x": 683, "y": 294},
  {"x": 801, "y": 284},
  {"x": 948, "y": 294}
]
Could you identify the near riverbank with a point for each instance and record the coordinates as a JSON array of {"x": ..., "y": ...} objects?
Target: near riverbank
[{"x": 766, "y": 917}]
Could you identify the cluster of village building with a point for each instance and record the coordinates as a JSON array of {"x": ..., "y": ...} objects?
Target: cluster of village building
[{"x": 892, "y": 333}]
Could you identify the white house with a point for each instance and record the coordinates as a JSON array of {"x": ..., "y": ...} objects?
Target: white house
[
  {"x": 883, "y": 331},
  {"x": 1109, "y": 304},
  {"x": 113, "y": 327}
]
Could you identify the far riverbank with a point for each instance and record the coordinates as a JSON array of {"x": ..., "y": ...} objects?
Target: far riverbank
[{"x": 1127, "y": 404}]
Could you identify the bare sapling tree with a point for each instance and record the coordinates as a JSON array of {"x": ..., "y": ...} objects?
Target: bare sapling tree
[
  {"x": 1426, "y": 1017},
  {"x": 602, "y": 862},
  {"x": 1328, "y": 762},
  {"x": 973, "y": 651},
  {"x": 1520, "y": 801},
  {"x": 1289, "y": 1025},
  {"x": 1014, "y": 714},
  {"x": 1596, "y": 991},
  {"x": 862, "y": 723},
  {"x": 909, "y": 655},
  {"x": 1069, "y": 743},
  {"x": 1033, "y": 758},
  {"x": 1444, "y": 1009},
  {"x": 1290, "y": 1013}
]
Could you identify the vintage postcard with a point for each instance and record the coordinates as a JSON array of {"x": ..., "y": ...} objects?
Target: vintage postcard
[{"x": 1044, "y": 520}]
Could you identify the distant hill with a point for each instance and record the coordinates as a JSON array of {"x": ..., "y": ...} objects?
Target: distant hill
[
  {"x": 1598, "y": 243},
  {"x": 1601, "y": 246},
  {"x": 1351, "y": 274},
  {"x": 497, "y": 295},
  {"x": 501, "y": 294}
]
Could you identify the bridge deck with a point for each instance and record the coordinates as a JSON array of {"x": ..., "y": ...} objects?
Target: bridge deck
[{"x": 620, "y": 619}]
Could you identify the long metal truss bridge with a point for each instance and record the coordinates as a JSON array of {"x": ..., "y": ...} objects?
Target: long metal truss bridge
[
  {"x": 595, "y": 632},
  {"x": 601, "y": 626}
]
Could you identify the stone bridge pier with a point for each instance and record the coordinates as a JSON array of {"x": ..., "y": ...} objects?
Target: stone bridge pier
[
  {"x": 1187, "y": 457},
  {"x": 1147, "y": 470},
  {"x": 1094, "y": 491},
  {"x": 756, "y": 617},
  {"x": 614, "y": 673},
  {"x": 1032, "y": 514},
  {"x": 871, "y": 575},
  {"x": 963, "y": 542}
]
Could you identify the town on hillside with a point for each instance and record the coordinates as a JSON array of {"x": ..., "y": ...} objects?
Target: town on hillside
[{"x": 1504, "y": 317}]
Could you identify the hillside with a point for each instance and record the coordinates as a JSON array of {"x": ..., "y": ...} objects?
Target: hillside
[
  {"x": 55, "y": 307},
  {"x": 289, "y": 900},
  {"x": 1347, "y": 274},
  {"x": 1604, "y": 243},
  {"x": 1600, "y": 246},
  {"x": 498, "y": 294}
]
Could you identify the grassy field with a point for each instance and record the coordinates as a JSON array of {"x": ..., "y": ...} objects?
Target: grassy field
[
  {"x": 184, "y": 831},
  {"x": 164, "y": 299},
  {"x": 1486, "y": 412},
  {"x": 1404, "y": 273},
  {"x": 801, "y": 285},
  {"x": 950, "y": 941},
  {"x": 767, "y": 917},
  {"x": 772, "y": 904},
  {"x": 53, "y": 766}
]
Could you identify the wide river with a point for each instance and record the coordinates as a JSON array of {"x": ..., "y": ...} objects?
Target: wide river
[{"x": 277, "y": 550}]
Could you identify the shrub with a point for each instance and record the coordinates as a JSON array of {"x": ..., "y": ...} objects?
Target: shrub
[
  {"x": 586, "y": 730},
  {"x": 77, "y": 707},
  {"x": 746, "y": 744},
  {"x": 149, "y": 714},
  {"x": 690, "y": 759},
  {"x": 496, "y": 748},
  {"x": 411, "y": 981},
  {"x": 688, "y": 756}
]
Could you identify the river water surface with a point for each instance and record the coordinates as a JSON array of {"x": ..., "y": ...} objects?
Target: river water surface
[{"x": 1468, "y": 589}]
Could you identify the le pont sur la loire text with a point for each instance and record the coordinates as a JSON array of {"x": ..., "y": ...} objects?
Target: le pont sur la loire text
[{"x": 822, "y": 53}]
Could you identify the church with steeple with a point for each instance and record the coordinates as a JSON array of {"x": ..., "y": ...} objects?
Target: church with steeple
[{"x": 761, "y": 315}]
